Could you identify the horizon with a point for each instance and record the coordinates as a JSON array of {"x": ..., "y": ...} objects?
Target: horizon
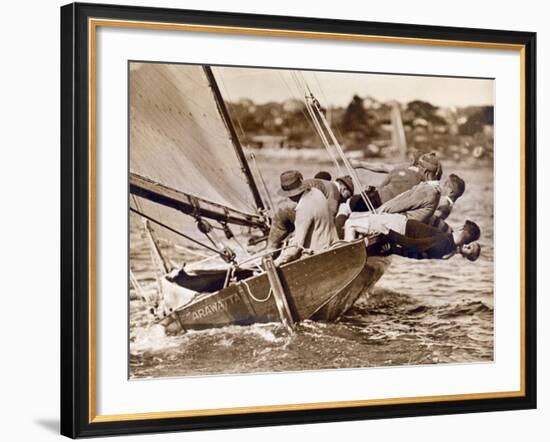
[{"x": 336, "y": 89}]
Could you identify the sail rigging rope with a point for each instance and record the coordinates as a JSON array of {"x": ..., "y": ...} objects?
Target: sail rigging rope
[
  {"x": 309, "y": 119},
  {"x": 320, "y": 121},
  {"x": 206, "y": 246},
  {"x": 347, "y": 164},
  {"x": 323, "y": 137},
  {"x": 264, "y": 185},
  {"x": 301, "y": 84},
  {"x": 333, "y": 123},
  {"x": 137, "y": 287}
]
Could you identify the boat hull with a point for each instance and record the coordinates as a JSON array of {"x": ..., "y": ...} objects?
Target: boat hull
[
  {"x": 372, "y": 272},
  {"x": 320, "y": 287}
]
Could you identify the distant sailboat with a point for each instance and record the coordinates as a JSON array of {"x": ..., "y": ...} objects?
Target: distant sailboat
[
  {"x": 398, "y": 131},
  {"x": 190, "y": 180}
]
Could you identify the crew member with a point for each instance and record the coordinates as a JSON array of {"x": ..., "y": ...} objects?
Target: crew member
[
  {"x": 323, "y": 175},
  {"x": 446, "y": 204},
  {"x": 400, "y": 179},
  {"x": 423, "y": 200},
  {"x": 336, "y": 192},
  {"x": 414, "y": 239},
  {"x": 314, "y": 224}
]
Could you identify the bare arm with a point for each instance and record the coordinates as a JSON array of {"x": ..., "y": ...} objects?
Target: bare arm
[
  {"x": 294, "y": 250},
  {"x": 373, "y": 167},
  {"x": 443, "y": 210},
  {"x": 282, "y": 225}
]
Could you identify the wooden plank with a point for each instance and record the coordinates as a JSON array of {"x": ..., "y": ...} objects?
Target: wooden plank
[
  {"x": 342, "y": 302},
  {"x": 312, "y": 282},
  {"x": 279, "y": 294}
]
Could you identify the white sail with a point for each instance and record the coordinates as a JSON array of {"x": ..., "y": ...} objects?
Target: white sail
[
  {"x": 179, "y": 140},
  {"x": 398, "y": 131}
]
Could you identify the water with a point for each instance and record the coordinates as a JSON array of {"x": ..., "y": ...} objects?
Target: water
[{"x": 420, "y": 312}]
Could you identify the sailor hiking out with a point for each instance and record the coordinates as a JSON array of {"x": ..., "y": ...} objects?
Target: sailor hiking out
[
  {"x": 399, "y": 179},
  {"x": 414, "y": 239}
]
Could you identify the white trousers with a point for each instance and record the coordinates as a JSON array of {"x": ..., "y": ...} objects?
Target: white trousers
[{"x": 371, "y": 224}]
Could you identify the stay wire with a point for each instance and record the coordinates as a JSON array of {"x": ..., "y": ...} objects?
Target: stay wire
[
  {"x": 300, "y": 83},
  {"x": 176, "y": 231}
]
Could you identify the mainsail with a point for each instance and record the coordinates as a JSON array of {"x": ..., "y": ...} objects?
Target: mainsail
[{"x": 184, "y": 155}]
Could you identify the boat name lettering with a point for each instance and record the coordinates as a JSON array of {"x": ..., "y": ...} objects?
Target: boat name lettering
[{"x": 220, "y": 305}]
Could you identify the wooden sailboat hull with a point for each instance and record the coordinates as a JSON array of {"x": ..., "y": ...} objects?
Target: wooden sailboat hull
[
  {"x": 321, "y": 286},
  {"x": 374, "y": 269}
]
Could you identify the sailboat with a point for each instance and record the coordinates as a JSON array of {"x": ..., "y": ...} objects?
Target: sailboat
[
  {"x": 398, "y": 138},
  {"x": 191, "y": 183}
]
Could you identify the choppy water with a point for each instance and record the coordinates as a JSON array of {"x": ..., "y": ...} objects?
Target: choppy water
[{"x": 421, "y": 312}]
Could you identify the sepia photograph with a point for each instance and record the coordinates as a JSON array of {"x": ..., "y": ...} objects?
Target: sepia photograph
[{"x": 292, "y": 220}]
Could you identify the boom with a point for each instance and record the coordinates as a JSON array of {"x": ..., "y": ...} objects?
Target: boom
[{"x": 189, "y": 204}]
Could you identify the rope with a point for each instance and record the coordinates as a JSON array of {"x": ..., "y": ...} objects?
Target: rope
[
  {"x": 261, "y": 255},
  {"x": 137, "y": 286},
  {"x": 202, "y": 261},
  {"x": 315, "y": 121},
  {"x": 316, "y": 106},
  {"x": 177, "y": 232},
  {"x": 347, "y": 164},
  {"x": 193, "y": 252},
  {"x": 322, "y": 136},
  {"x": 297, "y": 98},
  {"x": 253, "y": 297},
  {"x": 264, "y": 185}
]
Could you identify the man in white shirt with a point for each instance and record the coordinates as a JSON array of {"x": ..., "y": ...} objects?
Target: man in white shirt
[
  {"x": 336, "y": 192},
  {"x": 314, "y": 225}
]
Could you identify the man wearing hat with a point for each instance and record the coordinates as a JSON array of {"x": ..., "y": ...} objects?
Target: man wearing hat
[
  {"x": 314, "y": 223},
  {"x": 336, "y": 192},
  {"x": 323, "y": 175}
]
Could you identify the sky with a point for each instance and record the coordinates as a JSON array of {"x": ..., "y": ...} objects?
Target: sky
[{"x": 336, "y": 89}]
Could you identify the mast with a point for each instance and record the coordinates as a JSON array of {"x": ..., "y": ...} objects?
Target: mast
[{"x": 234, "y": 138}]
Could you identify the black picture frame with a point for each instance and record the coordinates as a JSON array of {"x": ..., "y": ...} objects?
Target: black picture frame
[{"x": 76, "y": 418}]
